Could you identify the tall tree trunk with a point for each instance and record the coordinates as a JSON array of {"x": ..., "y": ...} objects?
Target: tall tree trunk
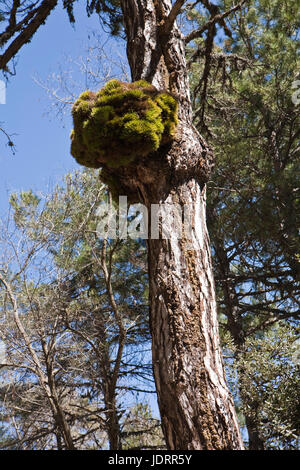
[
  {"x": 196, "y": 407},
  {"x": 60, "y": 417},
  {"x": 108, "y": 388},
  {"x": 112, "y": 422}
]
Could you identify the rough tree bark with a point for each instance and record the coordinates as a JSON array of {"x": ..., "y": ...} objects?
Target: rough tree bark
[{"x": 196, "y": 407}]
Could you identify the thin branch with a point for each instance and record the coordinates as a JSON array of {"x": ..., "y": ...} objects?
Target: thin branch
[
  {"x": 9, "y": 140},
  {"x": 171, "y": 18},
  {"x": 217, "y": 18},
  {"x": 16, "y": 366},
  {"x": 26, "y": 35}
]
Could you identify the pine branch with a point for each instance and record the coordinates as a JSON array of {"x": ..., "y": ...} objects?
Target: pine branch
[
  {"x": 216, "y": 17},
  {"x": 41, "y": 14}
]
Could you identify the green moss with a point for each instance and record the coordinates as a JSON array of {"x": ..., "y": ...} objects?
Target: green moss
[
  {"x": 110, "y": 87},
  {"x": 144, "y": 84},
  {"x": 120, "y": 123},
  {"x": 130, "y": 117},
  {"x": 102, "y": 114},
  {"x": 154, "y": 113}
]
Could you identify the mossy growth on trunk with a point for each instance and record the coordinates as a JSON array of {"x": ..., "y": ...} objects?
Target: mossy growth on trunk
[{"x": 121, "y": 123}]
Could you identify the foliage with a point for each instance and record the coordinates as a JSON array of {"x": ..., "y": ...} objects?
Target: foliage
[
  {"x": 109, "y": 12},
  {"x": 120, "y": 123},
  {"x": 269, "y": 384},
  {"x": 21, "y": 20},
  {"x": 74, "y": 315},
  {"x": 141, "y": 431},
  {"x": 249, "y": 118}
]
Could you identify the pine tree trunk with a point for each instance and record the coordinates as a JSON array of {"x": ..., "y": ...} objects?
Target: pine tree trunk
[
  {"x": 196, "y": 407},
  {"x": 112, "y": 424}
]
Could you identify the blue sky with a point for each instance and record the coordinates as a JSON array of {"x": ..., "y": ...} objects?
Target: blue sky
[{"x": 42, "y": 155}]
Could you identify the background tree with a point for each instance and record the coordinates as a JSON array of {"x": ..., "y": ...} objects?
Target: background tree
[
  {"x": 75, "y": 329},
  {"x": 141, "y": 431},
  {"x": 268, "y": 385},
  {"x": 247, "y": 114}
]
